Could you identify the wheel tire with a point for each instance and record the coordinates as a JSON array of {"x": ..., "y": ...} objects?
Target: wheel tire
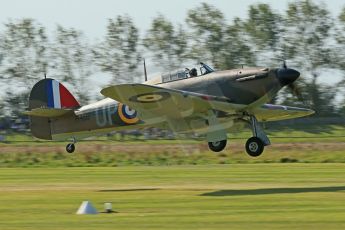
[
  {"x": 254, "y": 147},
  {"x": 70, "y": 148},
  {"x": 217, "y": 146}
]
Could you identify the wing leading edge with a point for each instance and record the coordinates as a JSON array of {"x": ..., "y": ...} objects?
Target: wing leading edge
[{"x": 268, "y": 112}]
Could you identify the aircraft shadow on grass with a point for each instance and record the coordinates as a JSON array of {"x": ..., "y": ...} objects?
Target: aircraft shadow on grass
[{"x": 268, "y": 191}]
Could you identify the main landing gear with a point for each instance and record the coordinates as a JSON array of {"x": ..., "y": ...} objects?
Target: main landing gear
[
  {"x": 216, "y": 135},
  {"x": 254, "y": 147},
  {"x": 71, "y": 147},
  {"x": 256, "y": 144},
  {"x": 217, "y": 146},
  {"x": 217, "y": 138}
]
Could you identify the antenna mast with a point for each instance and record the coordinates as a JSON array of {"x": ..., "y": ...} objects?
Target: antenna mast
[{"x": 145, "y": 70}]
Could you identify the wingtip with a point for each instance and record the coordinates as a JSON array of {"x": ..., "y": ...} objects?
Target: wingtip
[
  {"x": 307, "y": 112},
  {"x": 106, "y": 91},
  {"x": 27, "y": 112},
  {"x": 311, "y": 111}
]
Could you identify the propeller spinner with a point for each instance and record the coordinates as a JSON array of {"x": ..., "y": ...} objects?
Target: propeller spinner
[{"x": 287, "y": 76}]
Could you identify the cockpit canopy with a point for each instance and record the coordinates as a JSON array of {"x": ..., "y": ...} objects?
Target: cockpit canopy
[{"x": 187, "y": 73}]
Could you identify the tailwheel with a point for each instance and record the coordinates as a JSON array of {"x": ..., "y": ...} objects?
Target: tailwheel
[
  {"x": 217, "y": 146},
  {"x": 70, "y": 148},
  {"x": 254, "y": 146}
]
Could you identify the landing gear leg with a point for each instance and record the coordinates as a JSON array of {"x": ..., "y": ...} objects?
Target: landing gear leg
[
  {"x": 71, "y": 147},
  {"x": 216, "y": 135},
  {"x": 256, "y": 144}
]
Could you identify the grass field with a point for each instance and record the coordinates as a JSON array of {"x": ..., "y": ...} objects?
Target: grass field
[
  {"x": 307, "y": 144},
  {"x": 176, "y": 184},
  {"x": 312, "y": 149},
  {"x": 236, "y": 196}
]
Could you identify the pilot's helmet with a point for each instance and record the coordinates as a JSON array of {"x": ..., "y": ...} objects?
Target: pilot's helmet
[{"x": 193, "y": 72}]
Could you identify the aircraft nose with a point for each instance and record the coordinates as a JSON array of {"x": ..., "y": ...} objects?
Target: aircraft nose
[{"x": 287, "y": 76}]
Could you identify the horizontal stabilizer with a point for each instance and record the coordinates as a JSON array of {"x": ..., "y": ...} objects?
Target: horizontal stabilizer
[{"x": 48, "y": 112}]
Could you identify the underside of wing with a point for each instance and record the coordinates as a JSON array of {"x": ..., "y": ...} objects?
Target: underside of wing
[
  {"x": 152, "y": 101},
  {"x": 268, "y": 112}
]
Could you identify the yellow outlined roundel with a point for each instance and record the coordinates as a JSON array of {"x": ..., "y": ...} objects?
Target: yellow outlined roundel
[
  {"x": 126, "y": 114},
  {"x": 150, "y": 97}
]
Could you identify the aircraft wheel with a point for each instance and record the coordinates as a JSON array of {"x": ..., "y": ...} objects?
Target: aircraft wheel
[
  {"x": 70, "y": 148},
  {"x": 254, "y": 147},
  {"x": 217, "y": 146}
]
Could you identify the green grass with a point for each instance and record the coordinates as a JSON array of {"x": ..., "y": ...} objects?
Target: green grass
[
  {"x": 285, "y": 148},
  {"x": 304, "y": 133},
  {"x": 241, "y": 196},
  {"x": 176, "y": 184}
]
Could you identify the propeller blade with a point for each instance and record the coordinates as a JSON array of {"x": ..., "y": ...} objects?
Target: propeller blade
[{"x": 296, "y": 91}]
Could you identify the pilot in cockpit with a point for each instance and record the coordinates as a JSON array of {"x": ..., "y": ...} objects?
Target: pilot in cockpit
[
  {"x": 204, "y": 69},
  {"x": 193, "y": 72}
]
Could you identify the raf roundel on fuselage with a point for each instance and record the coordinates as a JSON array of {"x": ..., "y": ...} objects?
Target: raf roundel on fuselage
[{"x": 127, "y": 115}]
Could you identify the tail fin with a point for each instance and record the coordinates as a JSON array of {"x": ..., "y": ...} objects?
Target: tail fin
[
  {"x": 48, "y": 94},
  {"x": 57, "y": 96}
]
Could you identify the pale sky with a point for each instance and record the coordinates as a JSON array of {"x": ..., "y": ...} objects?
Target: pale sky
[{"x": 91, "y": 16}]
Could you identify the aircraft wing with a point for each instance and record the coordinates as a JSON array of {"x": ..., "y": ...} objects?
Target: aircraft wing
[
  {"x": 152, "y": 101},
  {"x": 268, "y": 112}
]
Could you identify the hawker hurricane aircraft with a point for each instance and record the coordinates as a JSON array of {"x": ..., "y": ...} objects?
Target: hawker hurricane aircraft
[{"x": 190, "y": 101}]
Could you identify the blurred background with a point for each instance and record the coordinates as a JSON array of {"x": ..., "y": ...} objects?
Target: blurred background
[
  {"x": 154, "y": 179},
  {"x": 90, "y": 44}
]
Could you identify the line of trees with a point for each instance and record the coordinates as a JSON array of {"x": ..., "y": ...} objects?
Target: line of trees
[{"x": 306, "y": 34}]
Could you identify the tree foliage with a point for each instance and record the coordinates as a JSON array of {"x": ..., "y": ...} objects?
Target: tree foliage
[
  {"x": 206, "y": 33},
  {"x": 306, "y": 41},
  {"x": 23, "y": 46},
  {"x": 340, "y": 37},
  {"x": 263, "y": 26},
  {"x": 71, "y": 60},
  {"x": 167, "y": 43},
  {"x": 306, "y": 34},
  {"x": 236, "y": 50},
  {"x": 306, "y": 37},
  {"x": 118, "y": 54}
]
